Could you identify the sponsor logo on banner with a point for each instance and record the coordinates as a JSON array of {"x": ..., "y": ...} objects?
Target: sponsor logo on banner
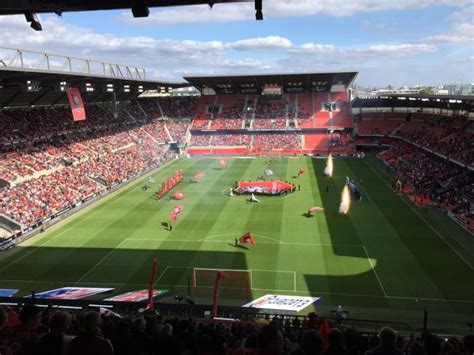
[
  {"x": 70, "y": 293},
  {"x": 136, "y": 296},
  {"x": 5, "y": 292},
  {"x": 264, "y": 187},
  {"x": 282, "y": 303}
]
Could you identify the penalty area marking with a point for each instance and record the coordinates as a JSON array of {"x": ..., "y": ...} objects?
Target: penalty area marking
[
  {"x": 423, "y": 218},
  {"x": 100, "y": 261},
  {"x": 246, "y": 270},
  {"x": 260, "y": 242},
  {"x": 375, "y": 272}
]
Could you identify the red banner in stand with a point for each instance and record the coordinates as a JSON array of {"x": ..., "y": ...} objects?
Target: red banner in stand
[
  {"x": 220, "y": 275},
  {"x": 151, "y": 304},
  {"x": 77, "y": 106}
]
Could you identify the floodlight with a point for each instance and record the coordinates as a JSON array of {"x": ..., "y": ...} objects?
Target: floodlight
[
  {"x": 140, "y": 9},
  {"x": 33, "y": 18},
  {"x": 258, "y": 8}
]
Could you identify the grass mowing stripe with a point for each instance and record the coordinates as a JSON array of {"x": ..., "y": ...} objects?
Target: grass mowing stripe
[
  {"x": 422, "y": 218},
  {"x": 100, "y": 261}
]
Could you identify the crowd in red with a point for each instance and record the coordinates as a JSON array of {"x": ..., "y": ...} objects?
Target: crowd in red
[
  {"x": 178, "y": 129},
  {"x": 178, "y": 107},
  {"x": 270, "y": 114},
  {"x": 423, "y": 175},
  {"x": 74, "y": 160},
  {"x": 276, "y": 141},
  {"x": 221, "y": 140},
  {"x": 450, "y": 136},
  {"x": 171, "y": 182}
]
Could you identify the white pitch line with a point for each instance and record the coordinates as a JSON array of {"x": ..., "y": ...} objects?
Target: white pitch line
[
  {"x": 424, "y": 220},
  {"x": 162, "y": 274},
  {"x": 17, "y": 260},
  {"x": 375, "y": 272},
  {"x": 294, "y": 279},
  {"x": 260, "y": 242},
  {"x": 101, "y": 260}
]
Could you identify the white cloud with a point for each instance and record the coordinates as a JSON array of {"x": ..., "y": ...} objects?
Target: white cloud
[
  {"x": 314, "y": 48},
  {"x": 261, "y": 43},
  {"x": 461, "y": 31},
  {"x": 170, "y": 60},
  {"x": 398, "y": 49}
]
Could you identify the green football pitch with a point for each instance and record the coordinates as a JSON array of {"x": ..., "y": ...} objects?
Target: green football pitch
[{"x": 386, "y": 259}]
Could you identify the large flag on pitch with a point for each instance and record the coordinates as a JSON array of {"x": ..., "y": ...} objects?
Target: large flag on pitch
[
  {"x": 247, "y": 238},
  {"x": 77, "y": 106},
  {"x": 199, "y": 176},
  {"x": 177, "y": 209}
]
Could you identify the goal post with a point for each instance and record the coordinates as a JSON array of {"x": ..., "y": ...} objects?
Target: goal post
[{"x": 235, "y": 282}]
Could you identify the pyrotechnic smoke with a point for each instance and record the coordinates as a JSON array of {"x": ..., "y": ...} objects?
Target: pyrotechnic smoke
[
  {"x": 345, "y": 200},
  {"x": 329, "y": 166}
]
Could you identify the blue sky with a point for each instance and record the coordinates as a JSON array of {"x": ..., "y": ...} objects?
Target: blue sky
[{"x": 397, "y": 42}]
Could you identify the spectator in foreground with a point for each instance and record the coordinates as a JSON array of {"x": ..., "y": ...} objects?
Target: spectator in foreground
[
  {"x": 336, "y": 343},
  {"x": 311, "y": 343},
  {"x": 269, "y": 341},
  {"x": 90, "y": 341},
  {"x": 56, "y": 342},
  {"x": 23, "y": 339},
  {"x": 388, "y": 338},
  {"x": 4, "y": 350}
]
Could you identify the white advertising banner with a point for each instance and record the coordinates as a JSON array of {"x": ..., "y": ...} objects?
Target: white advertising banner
[{"x": 282, "y": 303}]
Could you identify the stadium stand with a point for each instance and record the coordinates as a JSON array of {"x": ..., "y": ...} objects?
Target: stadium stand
[
  {"x": 427, "y": 180},
  {"x": 266, "y": 142},
  {"x": 377, "y": 126},
  {"x": 435, "y": 132},
  {"x": 29, "y": 330},
  {"x": 231, "y": 114},
  {"x": 57, "y": 168},
  {"x": 178, "y": 107},
  {"x": 270, "y": 114}
]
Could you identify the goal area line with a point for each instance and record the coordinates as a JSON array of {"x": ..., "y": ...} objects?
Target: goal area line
[{"x": 250, "y": 272}]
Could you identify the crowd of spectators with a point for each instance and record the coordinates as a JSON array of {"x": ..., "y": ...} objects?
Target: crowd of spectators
[
  {"x": 51, "y": 176},
  {"x": 444, "y": 135},
  {"x": 270, "y": 114},
  {"x": 339, "y": 139},
  {"x": 29, "y": 331},
  {"x": 178, "y": 107},
  {"x": 277, "y": 141},
  {"x": 178, "y": 129},
  {"x": 221, "y": 140},
  {"x": 231, "y": 114},
  {"x": 445, "y": 185}
]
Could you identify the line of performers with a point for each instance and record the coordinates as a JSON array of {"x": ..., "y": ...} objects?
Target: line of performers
[{"x": 171, "y": 182}]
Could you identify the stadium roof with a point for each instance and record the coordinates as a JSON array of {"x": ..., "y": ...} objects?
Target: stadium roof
[
  {"x": 45, "y": 87},
  {"x": 454, "y": 102},
  {"x": 140, "y": 8},
  {"x": 289, "y": 82}
]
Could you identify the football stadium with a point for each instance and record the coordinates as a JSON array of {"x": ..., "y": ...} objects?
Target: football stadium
[{"x": 259, "y": 213}]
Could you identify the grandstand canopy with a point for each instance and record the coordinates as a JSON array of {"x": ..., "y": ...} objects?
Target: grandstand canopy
[
  {"x": 453, "y": 102},
  {"x": 26, "y": 87},
  {"x": 15, "y": 7},
  {"x": 288, "y": 82}
]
